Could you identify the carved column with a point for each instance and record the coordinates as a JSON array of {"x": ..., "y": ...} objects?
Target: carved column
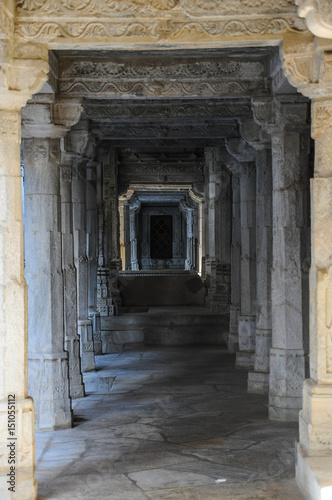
[
  {"x": 258, "y": 380},
  {"x": 289, "y": 198},
  {"x": 13, "y": 290},
  {"x": 217, "y": 232},
  {"x": 72, "y": 340},
  {"x": 133, "y": 211},
  {"x": 189, "y": 214},
  {"x": 245, "y": 156},
  {"x": 81, "y": 262},
  {"x": 247, "y": 318},
  {"x": 235, "y": 307},
  {"x": 315, "y": 449},
  {"x": 92, "y": 250},
  {"x": 48, "y": 361},
  {"x": 308, "y": 66},
  {"x": 112, "y": 302}
]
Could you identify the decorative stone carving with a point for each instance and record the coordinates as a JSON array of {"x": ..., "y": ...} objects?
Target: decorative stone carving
[
  {"x": 150, "y": 110},
  {"x": 318, "y": 16},
  {"x": 154, "y": 21}
]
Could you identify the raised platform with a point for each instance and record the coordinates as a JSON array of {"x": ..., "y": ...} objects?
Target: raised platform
[
  {"x": 172, "y": 326},
  {"x": 148, "y": 288}
]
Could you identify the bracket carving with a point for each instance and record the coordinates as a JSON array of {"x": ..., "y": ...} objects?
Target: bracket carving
[{"x": 318, "y": 15}]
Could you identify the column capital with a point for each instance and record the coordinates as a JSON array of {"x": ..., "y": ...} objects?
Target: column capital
[
  {"x": 318, "y": 16},
  {"x": 255, "y": 135},
  {"x": 280, "y": 113},
  {"x": 307, "y": 64},
  {"x": 240, "y": 150},
  {"x": 22, "y": 74}
]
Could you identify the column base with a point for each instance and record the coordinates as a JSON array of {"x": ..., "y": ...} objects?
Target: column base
[
  {"x": 316, "y": 417},
  {"x": 49, "y": 386},
  {"x": 245, "y": 360},
  {"x": 76, "y": 387},
  {"x": 85, "y": 332},
  {"x": 233, "y": 342},
  {"x": 247, "y": 333},
  {"x": 258, "y": 382},
  {"x": 233, "y": 337},
  {"x": 285, "y": 384},
  {"x": 314, "y": 475},
  {"x": 25, "y": 482}
]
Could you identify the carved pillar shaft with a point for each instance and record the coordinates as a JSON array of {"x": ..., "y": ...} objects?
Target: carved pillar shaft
[
  {"x": 218, "y": 232},
  {"x": 233, "y": 338},
  {"x": 72, "y": 340},
  {"x": 316, "y": 416},
  {"x": 287, "y": 364},
  {"x": 133, "y": 240},
  {"x": 48, "y": 362},
  {"x": 81, "y": 263},
  {"x": 13, "y": 330},
  {"x": 247, "y": 319},
  {"x": 258, "y": 380}
]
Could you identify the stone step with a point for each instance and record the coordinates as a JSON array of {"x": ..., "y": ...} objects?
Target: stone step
[
  {"x": 146, "y": 320},
  {"x": 119, "y": 333}
]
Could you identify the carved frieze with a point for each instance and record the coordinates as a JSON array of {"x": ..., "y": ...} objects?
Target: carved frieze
[
  {"x": 80, "y": 8},
  {"x": 166, "y": 88},
  {"x": 157, "y": 169},
  {"x": 158, "y": 130},
  {"x": 153, "y": 20},
  {"x": 133, "y": 109}
]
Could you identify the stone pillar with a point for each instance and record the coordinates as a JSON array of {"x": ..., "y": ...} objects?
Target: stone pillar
[
  {"x": 81, "y": 262},
  {"x": 48, "y": 361},
  {"x": 290, "y": 177},
  {"x": 217, "y": 232},
  {"x": 133, "y": 210},
  {"x": 92, "y": 251},
  {"x": 72, "y": 340},
  {"x": 13, "y": 302},
  {"x": 111, "y": 228},
  {"x": 188, "y": 211},
  {"x": 258, "y": 380},
  {"x": 314, "y": 463},
  {"x": 235, "y": 307},
  {"x": 247, "y": 319}
]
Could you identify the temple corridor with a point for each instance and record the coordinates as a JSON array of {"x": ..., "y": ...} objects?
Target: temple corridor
[{"x": 169, "y": 423}]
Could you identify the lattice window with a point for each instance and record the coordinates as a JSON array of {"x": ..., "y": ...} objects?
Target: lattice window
[{"x": 161, "y": 231}]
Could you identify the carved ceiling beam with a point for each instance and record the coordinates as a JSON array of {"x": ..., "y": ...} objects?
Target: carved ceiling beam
[
  {"x": 127, "y": 110},
  {"x": 161, "y": 76},
  {"x": 102, "y": 22},
  {"x": 160, "y": 131},
  {"x": 169, "y": 143}
]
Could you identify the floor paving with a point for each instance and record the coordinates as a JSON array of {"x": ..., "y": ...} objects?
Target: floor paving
[{"x": 169, "y": 423}]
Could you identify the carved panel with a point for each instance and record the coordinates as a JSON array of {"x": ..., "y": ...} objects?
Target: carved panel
[{"x": 123, "y": 110}]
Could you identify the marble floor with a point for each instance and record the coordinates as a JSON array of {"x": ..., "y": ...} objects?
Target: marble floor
[{"x": 168, "y": 423}]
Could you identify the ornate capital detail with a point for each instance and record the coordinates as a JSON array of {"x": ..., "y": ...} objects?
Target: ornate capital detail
[
  {"x": 321, "y": 118},
  {"x": 236, "y": 169},
  {"x": 281, "y": 113},
  {"x": 68, "y": 112},
  {"x": 22, "y": 75},
  {"x": 254, "y": 135},
  {"x": 241, "y": 151},
  {"x": 318, "y": 15},
  {"x": 307, "y": 64}
]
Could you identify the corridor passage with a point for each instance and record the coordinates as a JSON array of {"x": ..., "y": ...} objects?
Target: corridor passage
[{"x": 168, "y": 423}]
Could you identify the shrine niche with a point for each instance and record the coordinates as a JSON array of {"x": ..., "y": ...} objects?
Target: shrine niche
[{"x": 159, "y": 230}]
